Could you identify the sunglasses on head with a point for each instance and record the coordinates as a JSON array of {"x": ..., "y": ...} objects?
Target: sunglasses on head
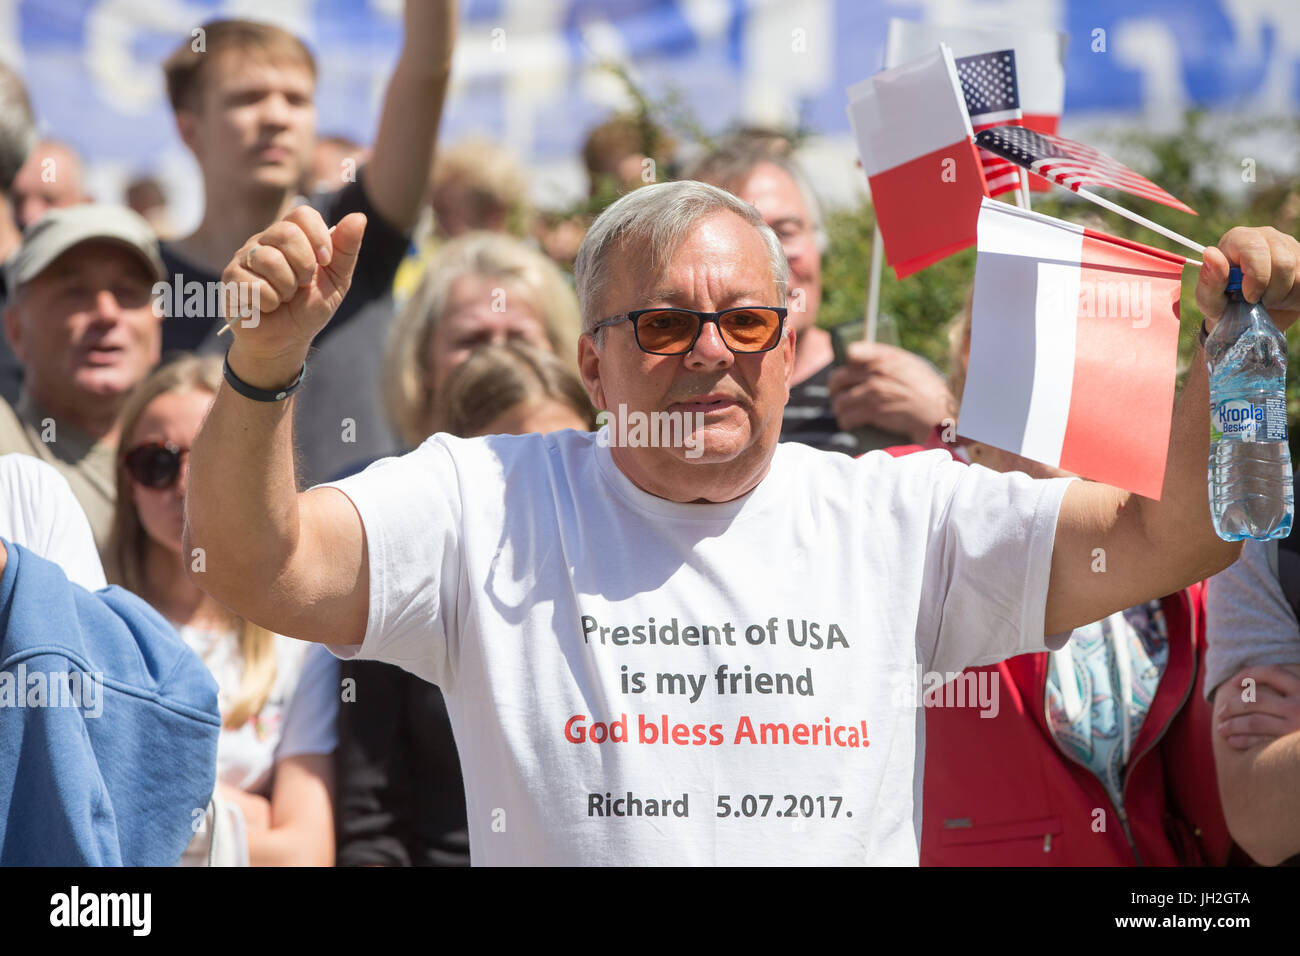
[{"x": 156, "y": 464}]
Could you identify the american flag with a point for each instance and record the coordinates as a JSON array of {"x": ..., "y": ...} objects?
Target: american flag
[
  {"x": 1070, "y": 164},
  {"x": 988, "y": 83}
]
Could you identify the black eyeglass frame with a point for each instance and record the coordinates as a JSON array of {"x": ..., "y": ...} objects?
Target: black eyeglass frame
[{"x": 714, "y": 317}]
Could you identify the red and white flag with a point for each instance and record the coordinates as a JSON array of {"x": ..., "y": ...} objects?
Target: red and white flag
[
  {"x": 1074, "y": 344},
  {"x": 916, "y": 144},
  {"x": 1040, "y": 64}
]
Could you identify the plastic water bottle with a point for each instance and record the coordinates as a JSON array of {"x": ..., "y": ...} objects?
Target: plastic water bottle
[{"x": 1250, "y": 464}]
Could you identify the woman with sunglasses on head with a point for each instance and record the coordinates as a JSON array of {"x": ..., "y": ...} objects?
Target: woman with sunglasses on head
[{"x": 278, "y": 696}]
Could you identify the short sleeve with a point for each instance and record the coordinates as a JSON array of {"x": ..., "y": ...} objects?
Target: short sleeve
[
  {"x": 40, "y": 512},
  {"x": 411, "y": 510},
  {"x": 311, "y": 722},
  {"x": 1248, "y": 618},
  {"x": 987, "y": 566}
]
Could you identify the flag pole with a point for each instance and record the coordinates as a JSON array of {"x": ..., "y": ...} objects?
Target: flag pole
[
  {"x": 873, "y": 290},
  {"x": 1140, "y": 220},
  {"x": 1024, "y": 186}
]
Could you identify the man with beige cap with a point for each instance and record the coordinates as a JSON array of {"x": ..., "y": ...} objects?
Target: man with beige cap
[{"x": 80, "y": 318}]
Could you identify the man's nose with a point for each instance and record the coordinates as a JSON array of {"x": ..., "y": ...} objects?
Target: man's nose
[
  {"x": 710, "y": 351},
  {"x": 275, "y": 110},
  {"x": 106, "y": 305}
]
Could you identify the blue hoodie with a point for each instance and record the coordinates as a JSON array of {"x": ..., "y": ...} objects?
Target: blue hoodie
[{"x": 107, "y": 769}]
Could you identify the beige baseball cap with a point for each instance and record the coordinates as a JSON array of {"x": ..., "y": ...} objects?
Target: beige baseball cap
[{"x": 60, "y": 229}]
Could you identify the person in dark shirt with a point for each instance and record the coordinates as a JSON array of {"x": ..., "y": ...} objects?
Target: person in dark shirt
[
  {"x": 880, "y": 395},
  {"x": 244, "y": 106}
]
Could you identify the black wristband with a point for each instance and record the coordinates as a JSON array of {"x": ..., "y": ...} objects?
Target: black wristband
[
  {"x": 259, "y": 394},
  {"x": 1204, "y": 333}
]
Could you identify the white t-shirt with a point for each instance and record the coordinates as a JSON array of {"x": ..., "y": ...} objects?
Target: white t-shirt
[
  {"x": 523, "y": 574},
  {"x": 299, "y": 717},
  {"x": 39, "y": 511}
]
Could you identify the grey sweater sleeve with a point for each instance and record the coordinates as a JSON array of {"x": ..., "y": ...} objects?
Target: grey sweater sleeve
[{"x": 1249, "y": 620}]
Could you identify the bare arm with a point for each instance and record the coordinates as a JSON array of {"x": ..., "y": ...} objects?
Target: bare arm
[
  {"x": 301, "y": 830},
  {"x": 397, "y": 175},
  {"x": 1153, "y": 548},
  {"x": 293, "y": 563},
  {"x": 255, "y": 807},
  {"x": 1258, "y": 784}
]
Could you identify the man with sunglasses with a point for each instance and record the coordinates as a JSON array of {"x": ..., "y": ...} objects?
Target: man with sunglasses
[
  {"x": 875, "y": 394},
  {"x": 81, "y": 321},
  {"x": 655, "y": 658}
]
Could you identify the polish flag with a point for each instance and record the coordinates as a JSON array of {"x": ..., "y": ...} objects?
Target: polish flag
[
  {"x": 1074, "y": 344},
  {"x": 1040, "y": 64},
  {"x": 917, "y": 147}
]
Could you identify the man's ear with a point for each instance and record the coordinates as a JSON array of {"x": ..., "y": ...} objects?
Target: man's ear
[
  {"x": 589, "y": 367},
  {"x": 788, "y": 347},
  {"x": 187, "y": 127},
  {"x": 155, "y": 348},
  {"x": 13, "y": 331}
]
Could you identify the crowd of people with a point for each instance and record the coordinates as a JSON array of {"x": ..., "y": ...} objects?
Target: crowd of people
[{"x": 549, "y": 628}]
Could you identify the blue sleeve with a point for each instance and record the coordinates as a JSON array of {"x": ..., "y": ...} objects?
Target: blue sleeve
[
  {"x": 311, "y": 722},
  {"x": 119, "y": 754},
  {"x": 54, "y": 807}
]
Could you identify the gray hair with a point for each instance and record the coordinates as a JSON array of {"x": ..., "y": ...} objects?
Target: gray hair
[
  {"x": 17, "y": 127},
  {"x": 736, "y": 158},
  {"x": 659, "y": 217}
]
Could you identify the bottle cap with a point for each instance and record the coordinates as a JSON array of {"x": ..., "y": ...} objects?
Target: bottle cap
[{"x": 1234, "y": 279}]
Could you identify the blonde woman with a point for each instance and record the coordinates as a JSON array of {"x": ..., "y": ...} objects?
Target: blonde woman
[
  {"x": 480, "y": 289},
  {"x": 278, "y": 697}
]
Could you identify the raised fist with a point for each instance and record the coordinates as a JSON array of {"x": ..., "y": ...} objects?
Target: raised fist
[{"x": 284, "y": 284}]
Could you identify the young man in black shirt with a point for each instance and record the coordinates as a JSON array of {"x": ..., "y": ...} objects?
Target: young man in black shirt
[{"x": 243, "y": 95}]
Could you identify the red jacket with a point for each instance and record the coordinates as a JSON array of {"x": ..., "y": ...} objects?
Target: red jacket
[{"x": 999, "y": 791}]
